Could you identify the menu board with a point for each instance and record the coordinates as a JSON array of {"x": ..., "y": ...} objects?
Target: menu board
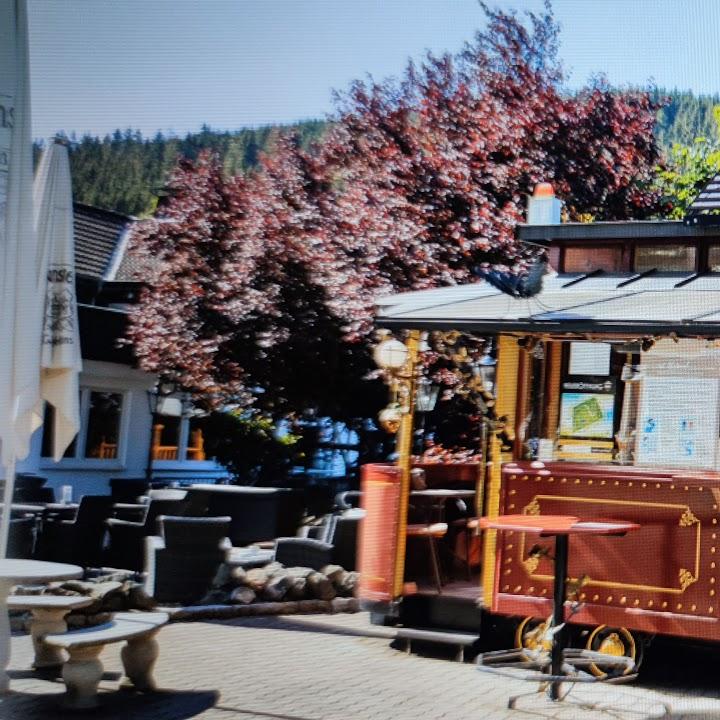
[{"x": 678, "y": 422}]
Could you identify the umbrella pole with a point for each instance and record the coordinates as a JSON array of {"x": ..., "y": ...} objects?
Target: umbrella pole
[{"x": 6, "y": 509}]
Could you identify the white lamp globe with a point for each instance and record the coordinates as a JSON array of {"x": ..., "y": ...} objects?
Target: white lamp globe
[{"x": 390, "y": 354}]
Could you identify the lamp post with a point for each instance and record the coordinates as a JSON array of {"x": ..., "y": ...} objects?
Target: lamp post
[
  {"x": 399, "y": 360},
  {"x": 154, "y": 396}
]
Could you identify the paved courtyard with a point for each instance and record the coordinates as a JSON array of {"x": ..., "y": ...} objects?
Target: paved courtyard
[{"x": 341, "y": 668}]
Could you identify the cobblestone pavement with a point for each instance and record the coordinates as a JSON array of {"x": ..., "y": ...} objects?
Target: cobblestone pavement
[{"x": 342, "y": 668}]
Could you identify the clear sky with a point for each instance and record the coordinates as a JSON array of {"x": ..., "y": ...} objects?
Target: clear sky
[{"x": 173, "y": 65}]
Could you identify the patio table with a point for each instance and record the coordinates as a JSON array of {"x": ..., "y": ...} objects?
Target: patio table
[{"x": 13, "y": 572}]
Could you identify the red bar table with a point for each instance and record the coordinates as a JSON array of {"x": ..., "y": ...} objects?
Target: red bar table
[{"x": 561, "y": 527}]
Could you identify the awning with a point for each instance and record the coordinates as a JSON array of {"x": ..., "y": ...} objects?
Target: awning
[{"x": 620, "y": 303}]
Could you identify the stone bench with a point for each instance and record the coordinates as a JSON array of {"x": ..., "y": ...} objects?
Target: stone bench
[
  {"x": 83, "y": 670},
  {"x": 48, "y": 616}
]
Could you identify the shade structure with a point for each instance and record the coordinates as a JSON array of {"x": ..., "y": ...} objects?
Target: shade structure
[
  {"x": 20, "y": 273},
  {"x": 60, "y": 360}
]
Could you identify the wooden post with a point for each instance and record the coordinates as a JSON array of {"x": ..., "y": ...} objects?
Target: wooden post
[{"x": 404, "y": 449}]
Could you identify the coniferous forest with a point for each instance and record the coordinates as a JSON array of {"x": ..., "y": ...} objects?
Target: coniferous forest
[{"x": 125, "y": 171}]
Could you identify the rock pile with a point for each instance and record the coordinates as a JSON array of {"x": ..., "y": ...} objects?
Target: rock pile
[
  {"x": 233, "y": 585},
  {"x": 111, "y": 592}
]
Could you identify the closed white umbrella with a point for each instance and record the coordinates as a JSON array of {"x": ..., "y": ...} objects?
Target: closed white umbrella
[
  {"x": 21, "y": 270},
  {"x": 60, "y": 358}
]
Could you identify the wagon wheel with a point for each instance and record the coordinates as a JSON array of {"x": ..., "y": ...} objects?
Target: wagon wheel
[
  {"x": 616, "y": 642},
  {"x": 532, "y": 634}
]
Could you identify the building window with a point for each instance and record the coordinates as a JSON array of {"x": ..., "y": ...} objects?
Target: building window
[
  {"x": 665, "y": 258},
  {"x": 103, "y": 425},
  {"x": 100, "y": 418},
  {"x": 586, "y": 259},
  {"x": 177, "y": 434},
  {"x": 714, "y": 258}
]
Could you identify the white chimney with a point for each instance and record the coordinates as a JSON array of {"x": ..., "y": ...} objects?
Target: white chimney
[{"x": 543, "y": 207}]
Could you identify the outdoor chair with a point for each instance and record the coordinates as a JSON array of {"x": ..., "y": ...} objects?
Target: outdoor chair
[
  {"x": 21, "y": 538},
  {"x": 181, "y": 563},
  {"x": 126, "y": 539},
  {"x": 344, "y": 538},
  {"x": 127, "y": 490},
  {"x": 302, "y": 552},
  {"x": 78, "y": 541},
  {"x": 29, "y": 489}
]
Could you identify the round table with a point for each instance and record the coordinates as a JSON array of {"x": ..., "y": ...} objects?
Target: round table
[
  {"x": 560, "y": 527},
  {"x": 14, "y": 572}
]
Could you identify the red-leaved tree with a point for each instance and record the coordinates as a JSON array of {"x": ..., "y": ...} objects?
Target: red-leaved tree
[{"x": 264, "y": 285}]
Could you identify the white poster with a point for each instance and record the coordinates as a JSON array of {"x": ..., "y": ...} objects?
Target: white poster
[
  {"x": 588, "y": 358},
  {"x": 678, "y": 422}
]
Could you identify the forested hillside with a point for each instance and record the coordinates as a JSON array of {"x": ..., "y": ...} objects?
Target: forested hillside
[{"x": 124, "y": 171}]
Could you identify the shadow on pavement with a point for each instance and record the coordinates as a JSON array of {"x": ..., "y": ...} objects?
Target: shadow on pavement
[
  {"x": 240, "y": 712},
  {"x": 296, "y": 624},
  {"x": 114, "y": 705}
]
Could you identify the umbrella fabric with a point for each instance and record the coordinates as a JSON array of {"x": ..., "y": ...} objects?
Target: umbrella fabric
[
  {"x": 60, "y": 356},
  {"x": 20, "y": 274}
]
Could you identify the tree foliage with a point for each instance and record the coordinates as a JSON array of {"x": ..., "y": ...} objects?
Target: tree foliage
[
  {"x": 264, "y": 283},
  {"x": 687, "y": 170}
]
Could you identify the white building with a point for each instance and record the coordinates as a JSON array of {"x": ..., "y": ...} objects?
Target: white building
[{"x": 116, "y": 422}]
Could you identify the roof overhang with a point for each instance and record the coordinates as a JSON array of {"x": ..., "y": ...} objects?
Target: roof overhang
[
  {"x": 622, "y": 305},
  {"x": 545, "y": 235}
]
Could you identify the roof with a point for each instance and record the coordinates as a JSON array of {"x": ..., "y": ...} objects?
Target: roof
[
  {"x": 705, "y": 209},
  {"x": 612, "y": 230},
  {"x": 98, "y": 236},
  {"x": 620, "y": 303}
]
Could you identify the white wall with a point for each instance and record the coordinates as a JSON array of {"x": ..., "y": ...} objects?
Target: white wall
[{"x": 90, "y": 476}]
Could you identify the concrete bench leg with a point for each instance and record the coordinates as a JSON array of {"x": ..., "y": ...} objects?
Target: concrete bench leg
[
  {"x": 139, "y": 656},
  {"x": 43, "y": 623},
  {"x": 82, "y": 674}
]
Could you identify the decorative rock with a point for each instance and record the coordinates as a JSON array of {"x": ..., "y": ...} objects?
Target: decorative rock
[
  {"x": 76, "y": 620},
  {"x": 334, "y": 573},
  {"x": 237, "y": 575},
  {"x": 348, "y": 583},
  {"x": 277, "y": 586},
  {"x": 138, "y": 599},
  {"x": 273, "y": 567},
  {"x": 215, "y": 597},
  {"x": 298, "y": 588},
  {"x": 222, "y": 577},
  {"x": 242, "y": 596},
  {"x": 256, "y": 578},
  {"x": 299, "y": 572},
  {"x": 98, "y": 618},
  {"x": 345, "y": 605},
  {"x": 320, "y": 587}
]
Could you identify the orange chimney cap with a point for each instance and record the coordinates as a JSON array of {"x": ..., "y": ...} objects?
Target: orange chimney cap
[{"x": 544, "y": 189}]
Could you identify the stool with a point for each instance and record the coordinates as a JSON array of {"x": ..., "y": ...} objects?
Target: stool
[
  {"x": 560, "y": 527},
  {"x": 431, "y": 532}
]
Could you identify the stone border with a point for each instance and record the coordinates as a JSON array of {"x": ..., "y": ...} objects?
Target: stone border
[{"x": 292, "y": 607}]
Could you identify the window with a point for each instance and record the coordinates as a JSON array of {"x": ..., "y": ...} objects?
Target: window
[
  {"x": 714, "y": 258},
  {"x": 49, "y": 433},
  {"x": 665, "y": 258},
  {"x": 100, "y": 417},
  {"x": 586, "y": 259},
  {"x": 177, "y": 432}
]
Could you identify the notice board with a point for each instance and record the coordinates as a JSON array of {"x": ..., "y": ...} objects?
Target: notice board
[{"x": 678, "y": 422}]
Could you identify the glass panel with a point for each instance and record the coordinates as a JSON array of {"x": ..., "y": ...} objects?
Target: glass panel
[
  {"x": 714, "y": 258},
  {"x": 196, "y": 440},
  {"x": 166, "y": 437},
  {"x": 48, "y": 433},
  {"x": 665, "y": 257},
  {"x": 586, "y": 259},
  {"x": 103, "y": 429}
]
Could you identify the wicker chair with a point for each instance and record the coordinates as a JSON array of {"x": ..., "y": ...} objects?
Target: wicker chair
[
  {"x": 303, "y": 552},
  {"x": 126, "y": 546},
  {"x": 78, "y": 541},
  {"x": 181, "y": 564}
]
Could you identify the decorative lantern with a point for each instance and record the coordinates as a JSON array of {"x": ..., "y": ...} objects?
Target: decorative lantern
[{"x": 390, "y": 418}]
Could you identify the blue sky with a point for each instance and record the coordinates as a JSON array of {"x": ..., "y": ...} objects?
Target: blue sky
[{"x": 172, "y": 65}]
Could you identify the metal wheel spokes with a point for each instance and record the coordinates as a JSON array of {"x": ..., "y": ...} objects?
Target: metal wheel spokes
[{"x": 616, "y": 643}]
